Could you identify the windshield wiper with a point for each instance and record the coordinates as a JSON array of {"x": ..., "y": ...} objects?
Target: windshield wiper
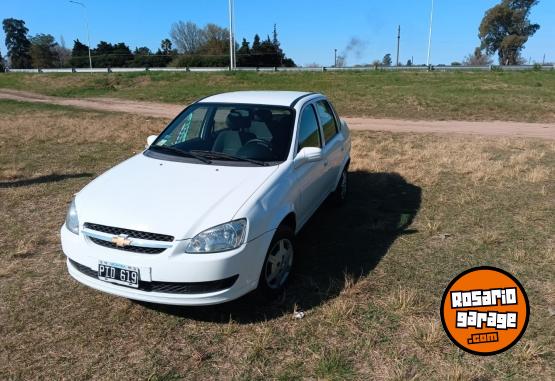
[
  {"x": 181, "y": 152},
  {"x": 228, "y": 156}
]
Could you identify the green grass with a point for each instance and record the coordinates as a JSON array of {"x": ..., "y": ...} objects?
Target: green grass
[
  {"x": 371, "y": 291},
  {"x": 515, "y": 96}
]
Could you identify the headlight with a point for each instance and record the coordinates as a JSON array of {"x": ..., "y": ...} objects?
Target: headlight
[
  {"x": 72, "y": 221},
  {"x": 223, "y": 237}
]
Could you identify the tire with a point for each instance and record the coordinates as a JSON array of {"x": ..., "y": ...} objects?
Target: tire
[
  {"x": 278, "y": 263},
  {"x": 339, "y": 195}
]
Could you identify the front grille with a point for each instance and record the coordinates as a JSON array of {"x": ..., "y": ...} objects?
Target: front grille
[
  {"x": 170, "y": 287},
  {"x": 129, "y": 232},
  {"x": 133, "y": 249}
]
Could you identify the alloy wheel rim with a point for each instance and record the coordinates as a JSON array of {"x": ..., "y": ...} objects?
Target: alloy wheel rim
[{"x": 280, "y": 261}]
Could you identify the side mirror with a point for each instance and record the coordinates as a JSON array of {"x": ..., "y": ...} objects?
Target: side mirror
[
  {"x": 150, "y": 140},
  {"x": 307, "y": 155}
]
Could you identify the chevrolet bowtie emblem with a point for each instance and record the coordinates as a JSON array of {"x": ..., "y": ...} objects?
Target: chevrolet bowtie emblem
[{"x": 121, "y": 240}]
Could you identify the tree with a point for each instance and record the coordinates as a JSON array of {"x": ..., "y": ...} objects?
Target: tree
[
  {"x": 142, "y": 51},
  {"x": 386, "y": 60},
  {"x": 2, "y": 65},
  {"x": 215, "y": 41},
  {"x": 288, "y": 62},
  {"x": 187, "y": 36},
  {"x": 17, "y": 43},
  {"x": 79, "y": 55},
  {"x": 265, "y": 53},
  {"x": 42, "y": 51},
  {"x": 256, "y": 43},
  {"x": 505, "y": 29},
  {"x": 409, "y": 62},
  {"x": 108, "y": 55},
  {"x": 209, "y": 46},
  {"x": 477, "y": 59},
  {"x": 268, "y": 54},
  {"x": 142, "y": 57},
  {"x": 244, "y": 54},
  {"x": 275, "y": 40},
  {"x": 121, "y": 55},
  {"x": 62, "y": 52},
  {"x": 166, "y": 46}
]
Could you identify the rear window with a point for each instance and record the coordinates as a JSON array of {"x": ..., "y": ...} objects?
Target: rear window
[
  {"x": 309, "y": 135},
  {"x": 327, "y": 119}
]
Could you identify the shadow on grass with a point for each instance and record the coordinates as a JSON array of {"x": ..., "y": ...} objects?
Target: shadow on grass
[
  {"x": 42, "y": 180},
  {"x": 338, "y": 242}
]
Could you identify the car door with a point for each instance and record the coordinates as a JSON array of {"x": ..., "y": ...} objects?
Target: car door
[
  {"x": 310, "y": 175},
  {"x": 332, "y": 151}
]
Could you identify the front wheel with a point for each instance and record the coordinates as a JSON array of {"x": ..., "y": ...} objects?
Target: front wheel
[{"x": 278, "y": 263}]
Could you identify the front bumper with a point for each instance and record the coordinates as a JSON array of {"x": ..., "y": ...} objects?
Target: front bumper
[{"x": 237, "y": 271}]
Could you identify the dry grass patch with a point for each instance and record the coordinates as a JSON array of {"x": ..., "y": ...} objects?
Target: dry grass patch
[{"x": 369, "y": 275}]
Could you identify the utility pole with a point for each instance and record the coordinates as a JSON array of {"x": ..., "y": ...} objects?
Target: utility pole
[
  {"x": 398, "y": 42},
  {"x": 88, "y": 33},
  {"x": 335, "y": 57},
  {"x": 543, "y": 61},
  {"x": 231, "y": 38},
  {"x": 430, "y": 35}
]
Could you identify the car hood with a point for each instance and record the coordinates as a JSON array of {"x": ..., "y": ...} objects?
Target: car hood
[{"x": 176, "y": 198}]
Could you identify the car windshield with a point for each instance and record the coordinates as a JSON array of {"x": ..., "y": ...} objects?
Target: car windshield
[{"x": 251, "y": 134}]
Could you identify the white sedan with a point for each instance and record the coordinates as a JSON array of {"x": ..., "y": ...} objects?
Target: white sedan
[{"x": 209, "y": 210}]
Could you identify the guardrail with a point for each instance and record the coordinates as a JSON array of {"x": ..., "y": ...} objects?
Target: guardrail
[{"x": 286, "y": 69}]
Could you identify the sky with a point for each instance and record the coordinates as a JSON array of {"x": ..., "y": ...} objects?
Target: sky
[{"x": 308, "y": 30}]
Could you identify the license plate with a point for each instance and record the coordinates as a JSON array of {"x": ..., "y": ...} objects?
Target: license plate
[{"x": 117, "y": 273}]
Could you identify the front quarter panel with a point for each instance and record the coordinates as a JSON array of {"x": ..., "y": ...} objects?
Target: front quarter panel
[{"x": 271, "y": 203}]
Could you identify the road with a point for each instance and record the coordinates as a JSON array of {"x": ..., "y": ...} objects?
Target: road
[{"x": 165, "y": 110}]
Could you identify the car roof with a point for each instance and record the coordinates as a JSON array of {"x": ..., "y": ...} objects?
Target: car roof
[{"x": 277, "y": 98}]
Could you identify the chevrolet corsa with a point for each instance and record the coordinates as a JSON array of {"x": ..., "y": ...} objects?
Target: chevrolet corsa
[{"x": 209, "y": 210}]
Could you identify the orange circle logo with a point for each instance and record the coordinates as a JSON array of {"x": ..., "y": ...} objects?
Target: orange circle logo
[{"x": 485, "y": 310}]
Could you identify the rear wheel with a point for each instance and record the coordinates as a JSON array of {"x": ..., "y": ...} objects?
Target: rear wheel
[{"x": 278, "y": 264}]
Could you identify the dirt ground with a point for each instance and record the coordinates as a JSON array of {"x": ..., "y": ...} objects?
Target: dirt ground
[
  {"x": 421, "y": 209},
  {"x": 165, "y": 110}
]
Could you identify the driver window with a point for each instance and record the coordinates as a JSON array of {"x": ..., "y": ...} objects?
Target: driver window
[
  {"x": 190, "y": 127},
  {"x": 309, "y": 136}
]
